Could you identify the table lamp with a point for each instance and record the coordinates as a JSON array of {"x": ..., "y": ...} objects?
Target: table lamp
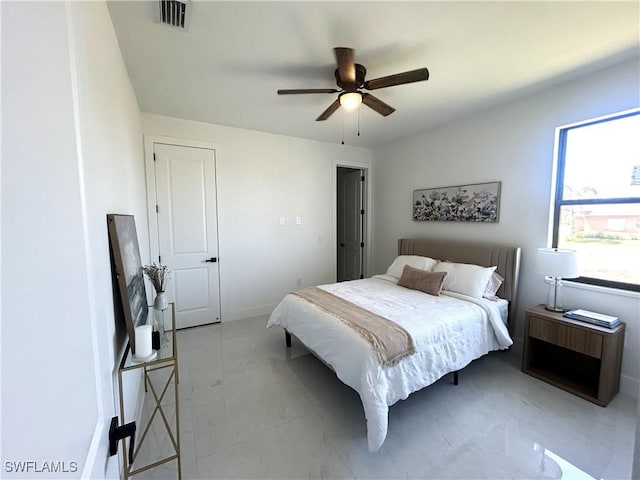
[{"x": 556, "y": 263}]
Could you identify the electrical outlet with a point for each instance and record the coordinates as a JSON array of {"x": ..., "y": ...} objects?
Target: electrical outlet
[
  {"x": 298, "y": 221},
  {"x": 282, "y": 221}
]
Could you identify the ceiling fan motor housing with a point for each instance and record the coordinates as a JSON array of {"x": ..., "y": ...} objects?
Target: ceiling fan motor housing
[{"x": 361, "y": 72}]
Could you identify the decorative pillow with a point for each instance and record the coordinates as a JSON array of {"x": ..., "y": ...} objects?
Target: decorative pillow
[
  {"x": 423, "y": 263},
  {"x": 493, "y": 285},
  {"x": 465, "y": 278},
  {"x": 418, "y": 279}
]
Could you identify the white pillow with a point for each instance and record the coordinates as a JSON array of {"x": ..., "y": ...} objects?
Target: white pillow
[
  {"x": 465, "y": 278},
  {"x": 416, "y": 261}
]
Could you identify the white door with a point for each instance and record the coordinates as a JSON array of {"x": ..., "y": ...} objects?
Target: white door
[
  {"x": 350, "y": 224},
  {"x": 188, "y": 230}
]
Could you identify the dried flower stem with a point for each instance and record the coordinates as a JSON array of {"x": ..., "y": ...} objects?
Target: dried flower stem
[{"x": 158, "y": 274}]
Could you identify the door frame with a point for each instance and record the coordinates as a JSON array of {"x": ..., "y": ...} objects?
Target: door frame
[
  {"x": 150, "y": 175},
  {"x": 367, "y": 169}
]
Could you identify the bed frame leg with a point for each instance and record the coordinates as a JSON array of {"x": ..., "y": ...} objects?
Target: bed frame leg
[
  {"x": 287, "y": 339},
  {"x": 455, "y": 377}
]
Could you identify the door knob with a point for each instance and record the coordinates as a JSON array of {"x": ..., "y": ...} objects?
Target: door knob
[{"x": 211, "y": 260}]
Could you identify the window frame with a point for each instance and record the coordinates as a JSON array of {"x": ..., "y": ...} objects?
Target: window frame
[{"x": 559, "y": 202}]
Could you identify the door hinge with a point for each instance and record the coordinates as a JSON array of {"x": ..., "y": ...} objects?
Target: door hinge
[
  {"x": 154, "y": 156},
  {"x": 362, "y": 212},
  {"x": 362, "y": 244},
  {"x": 157, "y": 209},
  {"x": 362, "y": 178},
  {"x": 361, "y": 275},
  {"x": 159, "y": 259}
]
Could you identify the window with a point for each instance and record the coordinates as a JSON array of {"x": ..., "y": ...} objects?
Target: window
[{"x": 597, "y": 198}]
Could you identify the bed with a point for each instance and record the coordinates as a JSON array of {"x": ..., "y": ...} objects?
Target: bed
[{"x": 443, "y": 333}]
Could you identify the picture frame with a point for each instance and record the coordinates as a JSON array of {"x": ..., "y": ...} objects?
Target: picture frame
[
  {"x": 127, "y": 268},
  {"x": 477, "y": 202}
]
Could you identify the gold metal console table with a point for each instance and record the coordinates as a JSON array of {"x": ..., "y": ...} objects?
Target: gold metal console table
[{"x": 157, "y": 439}]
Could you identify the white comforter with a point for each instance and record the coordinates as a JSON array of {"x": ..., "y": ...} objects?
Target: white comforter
[{"x": 449, "y": 332}]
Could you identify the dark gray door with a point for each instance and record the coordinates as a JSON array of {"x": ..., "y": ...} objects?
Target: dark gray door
[{"x": 350, "y": 223}]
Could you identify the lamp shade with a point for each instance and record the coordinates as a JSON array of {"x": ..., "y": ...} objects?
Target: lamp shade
[
  {"x": 351, "y": 100},
  {"x": 556, "y": 262}
]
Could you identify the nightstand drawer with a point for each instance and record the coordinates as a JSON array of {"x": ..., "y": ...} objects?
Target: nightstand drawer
[{"x": 565, "y": 336}]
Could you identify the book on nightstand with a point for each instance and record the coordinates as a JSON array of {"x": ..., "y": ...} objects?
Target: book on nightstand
[{"x": 594, "y": 318}]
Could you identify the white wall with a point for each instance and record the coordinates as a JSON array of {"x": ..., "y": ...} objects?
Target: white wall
[
  {"x": 262, "y": 177},
  {"x": 71, "y": 153},
  {"x": 512, "y": 143},
  {"x": 112, "y": 166}
]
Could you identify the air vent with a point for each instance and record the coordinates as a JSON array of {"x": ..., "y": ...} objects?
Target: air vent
[{"x": 173, "y": 12}]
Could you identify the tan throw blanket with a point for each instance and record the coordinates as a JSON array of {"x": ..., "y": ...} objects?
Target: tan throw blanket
[{"x": 389, "y": 341}]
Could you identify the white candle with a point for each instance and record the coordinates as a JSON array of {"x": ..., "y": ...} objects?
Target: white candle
[{"x": 143, "y": 341}]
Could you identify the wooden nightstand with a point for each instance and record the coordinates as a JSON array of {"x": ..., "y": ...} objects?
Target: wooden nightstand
[{"x": 578, "y": 357}]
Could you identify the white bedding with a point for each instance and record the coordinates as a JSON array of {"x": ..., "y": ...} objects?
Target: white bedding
[{"x": 449, "y": 332}]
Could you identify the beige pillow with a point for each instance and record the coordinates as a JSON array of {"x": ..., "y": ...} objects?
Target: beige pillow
[{"x": 417, "y": 279}]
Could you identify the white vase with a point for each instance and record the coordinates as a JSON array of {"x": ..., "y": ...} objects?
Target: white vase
[{"x": 160, "y": 302}]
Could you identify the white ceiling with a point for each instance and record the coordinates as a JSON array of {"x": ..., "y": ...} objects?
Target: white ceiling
[{"x": 227, "y": 65}]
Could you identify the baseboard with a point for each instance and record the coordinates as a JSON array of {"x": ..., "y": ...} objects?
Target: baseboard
[
  {"x": 248, "y": 312},
  {"x": 99, "y": 433},
  {"x": 629, "y": 386}
]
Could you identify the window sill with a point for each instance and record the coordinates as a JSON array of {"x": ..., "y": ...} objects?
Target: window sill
[{"x": 600, "y": 289}]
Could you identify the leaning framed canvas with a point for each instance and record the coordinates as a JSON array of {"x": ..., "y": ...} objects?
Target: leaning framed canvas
[
  {"x": 123, "y": 240},
  {"x": 479, "y": 202}
]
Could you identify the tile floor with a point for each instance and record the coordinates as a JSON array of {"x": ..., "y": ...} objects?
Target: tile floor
[{"x": 250, "y": 408}]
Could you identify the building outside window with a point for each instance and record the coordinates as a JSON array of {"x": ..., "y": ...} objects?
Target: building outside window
[{"x": 597, "y": 198}]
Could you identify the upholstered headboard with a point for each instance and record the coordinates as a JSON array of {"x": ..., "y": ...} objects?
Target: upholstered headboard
[{"x": 506, "y": 258}]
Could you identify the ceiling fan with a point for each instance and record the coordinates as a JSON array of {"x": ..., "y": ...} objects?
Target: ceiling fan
[{"x": 350, "y": 78}]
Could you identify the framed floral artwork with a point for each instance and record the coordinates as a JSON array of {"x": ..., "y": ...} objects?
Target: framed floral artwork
[{"x": 479, "y": 202}]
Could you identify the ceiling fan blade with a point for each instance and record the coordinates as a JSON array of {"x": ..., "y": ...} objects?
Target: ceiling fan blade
[
  {"x": 329, "y": 111},
  {"x": 418, "y": 75},
  {"x": 345, "y": 59},
  {"x": 307, "y": 90},
  {"x": 377, "y": 104}
]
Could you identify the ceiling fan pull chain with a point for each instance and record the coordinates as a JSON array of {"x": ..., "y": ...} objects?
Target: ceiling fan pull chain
[
  {"x": 342, "y": 112},
  {"x": 358, "y": 120}
]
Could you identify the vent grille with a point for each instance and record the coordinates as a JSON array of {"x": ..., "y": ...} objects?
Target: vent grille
[{"x": 173, "y": 12}]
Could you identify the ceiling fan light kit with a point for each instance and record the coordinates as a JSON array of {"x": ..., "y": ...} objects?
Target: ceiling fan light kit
[
  {"x": 350, "y": 78},
  {"x": 350, "y": 100}
]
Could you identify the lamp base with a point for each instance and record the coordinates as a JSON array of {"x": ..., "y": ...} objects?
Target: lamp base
[
  {"x": 554, "y": 296},
  {"x": 551, "y": 308}
]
